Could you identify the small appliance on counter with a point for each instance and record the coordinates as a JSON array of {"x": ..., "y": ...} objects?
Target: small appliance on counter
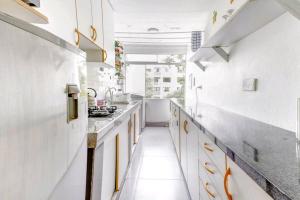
[{"x": 92, "y": 101}]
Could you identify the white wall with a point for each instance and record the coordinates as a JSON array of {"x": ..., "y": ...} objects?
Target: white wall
[
  {"x": 272, "y": 55},
  {"x": 135, "y": 79}
]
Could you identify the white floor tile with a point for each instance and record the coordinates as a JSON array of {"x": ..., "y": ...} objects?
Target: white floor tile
[{"x": 154, "y": 173}]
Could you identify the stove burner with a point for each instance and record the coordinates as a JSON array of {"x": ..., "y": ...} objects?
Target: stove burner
[{"x": 103, "y": 111}]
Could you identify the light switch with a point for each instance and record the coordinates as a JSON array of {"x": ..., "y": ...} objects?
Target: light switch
[{"x": 250, "y": 84}]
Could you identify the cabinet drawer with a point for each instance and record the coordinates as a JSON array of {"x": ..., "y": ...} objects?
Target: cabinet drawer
[
  {"x": 208, "y": 170},
  {"x": 237, "y": 182},
  {"x": 208, "y": 191},
  {"x": 216, "y": 155}
]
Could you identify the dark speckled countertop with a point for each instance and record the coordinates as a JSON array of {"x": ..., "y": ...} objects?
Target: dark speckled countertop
[{"x": 268, "y": 154}]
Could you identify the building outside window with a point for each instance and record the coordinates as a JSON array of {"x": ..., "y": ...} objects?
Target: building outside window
[{"x": 165, "y": 80}]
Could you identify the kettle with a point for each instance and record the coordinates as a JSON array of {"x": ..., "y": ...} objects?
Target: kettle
[{"x": 92, "y": 101}]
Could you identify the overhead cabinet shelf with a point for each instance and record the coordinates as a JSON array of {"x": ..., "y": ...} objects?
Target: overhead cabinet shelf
[
  {"x": 251, "y": 16},
  {"x": 21, "y": 10}
]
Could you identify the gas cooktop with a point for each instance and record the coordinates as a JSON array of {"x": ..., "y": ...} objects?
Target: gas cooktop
[{"x": 103, "y": 111}]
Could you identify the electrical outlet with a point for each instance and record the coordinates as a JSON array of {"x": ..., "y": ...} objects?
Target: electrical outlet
[{"x": 250, "y": 84}]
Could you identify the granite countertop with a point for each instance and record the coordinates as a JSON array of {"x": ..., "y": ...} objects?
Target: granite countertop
[
  {"x": 99, "y": 127},
  {"x": 268, "y": 154}
]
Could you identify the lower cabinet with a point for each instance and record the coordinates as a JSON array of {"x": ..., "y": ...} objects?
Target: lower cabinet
[
  {"x": 189, "y": 155},
  {"x": 109, "y": 168},
  {"x": 192, "y": 161},
  {"x": 209, "y": 174},
  {"x": 183, "y": 144},
  {"x": 241, "y": 186}
]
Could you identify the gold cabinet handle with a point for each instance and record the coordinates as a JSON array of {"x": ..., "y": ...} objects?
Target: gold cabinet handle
[
  {"x": 208, "y": 169},
  {"x": 77, "y": 39},
  {"x": 104, "y": 55},
  {"x": 117, "y": 169},
  {"x": 93, "y": 33},
  {"x": 227, "y": 174},
  {"x": 207, "y": 147},
  {"x": 208, "y": 191},
  {"x": 185, "y": 123}
]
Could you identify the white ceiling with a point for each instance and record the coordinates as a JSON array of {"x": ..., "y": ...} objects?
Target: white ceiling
[{"x": 175, "y": 19}]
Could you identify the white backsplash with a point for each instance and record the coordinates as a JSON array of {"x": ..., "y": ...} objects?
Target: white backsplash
[{"x": 100, "y": 78}]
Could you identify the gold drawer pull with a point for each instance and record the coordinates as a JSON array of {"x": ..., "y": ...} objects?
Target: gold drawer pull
[
  {"x": 92, "y": 32},
  {"x": 208, "y": 169},
  {"x": 207, "y": 147},
  {"x": 185, "y": 123},
  {"x": 77, "y": 39},
  {"x": 227, "y": 174},
  {"x": 104, "y": 55},
  {"x": 208, "y": 191}
]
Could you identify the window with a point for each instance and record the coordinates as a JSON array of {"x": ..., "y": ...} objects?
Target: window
[
  {"x": 167, "y": 80},
  {"x": 161, "y": 81},
  {"x": 166, "y": 89}
]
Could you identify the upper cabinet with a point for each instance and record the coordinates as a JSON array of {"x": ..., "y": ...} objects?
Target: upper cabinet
[
  {"x": 97, "y": 21},
  {"x": 108, "y": 33},
  {"x": 61, "y": 20},
  {"x": 84, "y": 18},
  {"x": 21, "y": 10}
]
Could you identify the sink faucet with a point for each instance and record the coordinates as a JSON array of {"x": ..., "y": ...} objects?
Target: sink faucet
[{"x": 111, "y": 93}]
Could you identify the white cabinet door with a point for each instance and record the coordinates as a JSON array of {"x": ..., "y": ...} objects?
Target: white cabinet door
[
  {"x": 62, "y": 21},
  {"x": 242, "y": 187},
  {"x": 123, "y": 149},
  {"x": 193, "y": 164},
  {"x": 97, "y": 21},
  {"x": 183, "y": 144},
  {"x": 109, "y": 168},
  {"x": 97, "y": 173},
  {"x": 108, "y": 31},
  {"x": 84, "y": 17},
  {"x": 176, "y": 134}
]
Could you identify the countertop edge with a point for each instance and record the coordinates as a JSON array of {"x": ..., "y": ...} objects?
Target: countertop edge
[
  {"x": 94, "y": 141},
  {"x": 256, "y": 176}
]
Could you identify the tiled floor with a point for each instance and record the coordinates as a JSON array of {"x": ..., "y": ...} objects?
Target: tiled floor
[{"x": 154, "y": 173}]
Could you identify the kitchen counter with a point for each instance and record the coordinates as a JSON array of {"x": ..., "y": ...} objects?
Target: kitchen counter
[
  {"x": 268, "y": 154},
  {"x": 98, "y": 128}
]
